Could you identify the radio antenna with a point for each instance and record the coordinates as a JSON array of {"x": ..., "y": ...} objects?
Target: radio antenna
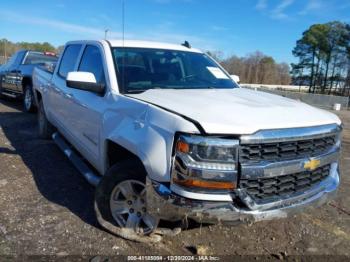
[
  {"x": 123, "y": 43},
  {"x": 123, "y": 21}
]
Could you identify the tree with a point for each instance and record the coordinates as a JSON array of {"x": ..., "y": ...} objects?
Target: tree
[
  {"x": 7, "y": 48},
  {"x": 309, "y": 50},
  {"x": 257, "y": 68},
  {"x": 322, "y": 51},
  {"x": 60, "y": 49}
]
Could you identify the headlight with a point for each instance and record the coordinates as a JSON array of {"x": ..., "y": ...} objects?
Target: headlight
[
  {"x": 204, "y": 162},
  {"x": 339, "y": 136}
]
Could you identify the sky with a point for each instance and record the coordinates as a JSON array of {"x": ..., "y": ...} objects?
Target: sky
[{"x": 234, "y": 27}]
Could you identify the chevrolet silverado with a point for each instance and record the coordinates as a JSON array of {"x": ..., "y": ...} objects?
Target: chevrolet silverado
[{"x": 165, "y": 133}]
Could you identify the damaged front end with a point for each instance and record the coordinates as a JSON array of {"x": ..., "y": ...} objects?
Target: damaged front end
[
  {"x": 169, "y": 206},
  {"x": 269, "y": 175}
]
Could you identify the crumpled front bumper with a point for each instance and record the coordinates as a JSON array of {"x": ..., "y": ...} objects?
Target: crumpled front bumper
[{"x": 167, "y": 205}]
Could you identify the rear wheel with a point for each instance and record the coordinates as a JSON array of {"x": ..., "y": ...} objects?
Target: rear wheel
[
  {"x": 28, "y": 100},
  {"x": 46, "y": 129},
  {"x": 121, "y": 199}
]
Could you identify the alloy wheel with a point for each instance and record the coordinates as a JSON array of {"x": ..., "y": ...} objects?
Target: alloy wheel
[
  {"x": 28, "y": 99},
  {"x": 129, "y": 209}
]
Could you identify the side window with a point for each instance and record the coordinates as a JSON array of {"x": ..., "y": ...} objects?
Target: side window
[
  {"x": 91, "y": 62},
  {"x": 34, "y": 58},
  {"x": 19, "y": 58},
  {"x": 69, "y": 59}
]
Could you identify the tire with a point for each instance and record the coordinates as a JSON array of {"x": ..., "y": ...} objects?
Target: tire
[
  {"x": 1, "y": 95},
  {"x": 28, "y": 99},
  {"x": 120, "y": 198},
  {"x": 46, "y": 129}
]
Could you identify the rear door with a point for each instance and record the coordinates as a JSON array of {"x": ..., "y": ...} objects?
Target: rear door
[{"x": 59, "y": 93}]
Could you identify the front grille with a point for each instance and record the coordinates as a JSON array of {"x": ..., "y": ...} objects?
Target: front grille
[
  {"x": 285, "y": 150},
  {"x": 266, "y": 189}
]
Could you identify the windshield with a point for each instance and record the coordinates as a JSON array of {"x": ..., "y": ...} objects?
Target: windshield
[
  {"x": 141, "y": 69},
  {"x": 39, "y": 58}
]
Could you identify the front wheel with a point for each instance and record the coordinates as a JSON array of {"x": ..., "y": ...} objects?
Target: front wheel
[
  {"x": 120, "y": 199},
  {"x": 28, "y": 100}
]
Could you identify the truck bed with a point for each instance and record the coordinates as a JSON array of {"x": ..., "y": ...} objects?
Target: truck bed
[{"x": 41, "y": 76}]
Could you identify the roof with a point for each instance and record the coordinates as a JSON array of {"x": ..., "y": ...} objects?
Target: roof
[{"x": 150, "y": 44}]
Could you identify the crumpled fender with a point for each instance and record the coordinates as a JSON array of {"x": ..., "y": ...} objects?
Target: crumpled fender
[{"x": 148, "y": 132}]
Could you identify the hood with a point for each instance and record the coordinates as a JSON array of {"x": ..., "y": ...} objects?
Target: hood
[{"x": 238, "y": 111}]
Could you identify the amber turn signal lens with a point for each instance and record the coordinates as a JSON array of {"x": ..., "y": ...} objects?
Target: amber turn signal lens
[
  {"x": 205, "y": 184},
  {"x": 182, "y": 147}
]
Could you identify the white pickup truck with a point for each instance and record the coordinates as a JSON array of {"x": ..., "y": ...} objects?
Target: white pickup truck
[{"x": 165, "y": 133}]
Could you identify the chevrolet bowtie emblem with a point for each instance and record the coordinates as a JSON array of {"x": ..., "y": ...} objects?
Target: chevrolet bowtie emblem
[{"x": 312, "y": 164}]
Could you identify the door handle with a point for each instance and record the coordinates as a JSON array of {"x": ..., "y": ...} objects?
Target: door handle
[{"x": 70, "y": 96}]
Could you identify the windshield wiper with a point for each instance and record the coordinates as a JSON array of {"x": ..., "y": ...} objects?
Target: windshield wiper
[
  {"x": 201, "y": 87},
  {"x": 136, "y": 91}
]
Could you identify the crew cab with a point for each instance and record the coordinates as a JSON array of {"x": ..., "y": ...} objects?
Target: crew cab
[
  {"x": 165, "y": 133},
  {"x": 16, "y": 75}
]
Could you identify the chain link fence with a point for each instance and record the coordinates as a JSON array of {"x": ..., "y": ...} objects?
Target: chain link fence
[{"x": 323, "y": 101}]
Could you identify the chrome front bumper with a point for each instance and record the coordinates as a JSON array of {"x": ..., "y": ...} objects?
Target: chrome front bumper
[
  {"x": 238, "y": 206},
  {"x": 167, "y": 205}
]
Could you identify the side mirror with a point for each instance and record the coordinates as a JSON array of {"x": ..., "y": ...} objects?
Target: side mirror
[
  {"x": 235, "y": 78},
  {"x": 84, "y": 81}
]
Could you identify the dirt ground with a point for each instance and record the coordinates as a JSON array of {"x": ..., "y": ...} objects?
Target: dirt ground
[{"x": 46, "y": 208}]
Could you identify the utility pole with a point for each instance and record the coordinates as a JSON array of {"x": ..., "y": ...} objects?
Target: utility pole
[
  {"x": 5, "y": 50},
  {"x": 123, "y": 20}
]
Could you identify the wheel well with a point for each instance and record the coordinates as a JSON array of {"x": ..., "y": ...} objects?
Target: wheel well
[
  {"x": 26, "y": 81},
  {"x": 117, "y": 153},
  {"x": 38, "y": 95}
]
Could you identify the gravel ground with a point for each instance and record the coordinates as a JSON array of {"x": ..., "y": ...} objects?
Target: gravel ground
[{"x": 46, "y": 208}]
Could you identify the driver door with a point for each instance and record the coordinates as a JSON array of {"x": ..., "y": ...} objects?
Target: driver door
[{"x": 86, "y": 107}]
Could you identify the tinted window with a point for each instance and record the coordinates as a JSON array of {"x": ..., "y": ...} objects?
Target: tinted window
[
  {"x": 69, "y": 59},
  {"x": 38, "y": 58},
  {"x": 91, "y": 62},
  {"x": 130, "y": 58}
]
